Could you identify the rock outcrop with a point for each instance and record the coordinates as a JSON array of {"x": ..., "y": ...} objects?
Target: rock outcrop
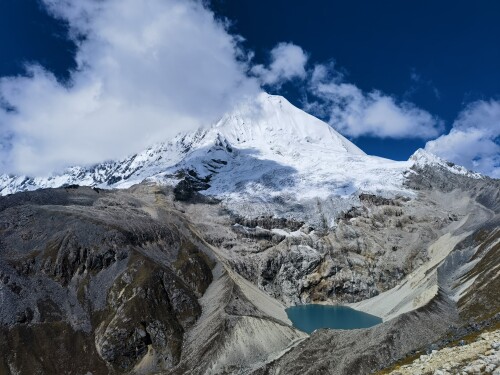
[
  {"x": 113, "y": 282},
  {"x": 151, "y": 280}
]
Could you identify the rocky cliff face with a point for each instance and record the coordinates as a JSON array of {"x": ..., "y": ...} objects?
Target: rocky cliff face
[
  {"x": 374, "y": 245},
  {"x": 112, "y": 282},
  {"x": 190, "y": 269},
  {"x": 96, "y": 268},
  {"x": 450, "y": 291},
  {"x": 138, "y": 281}
]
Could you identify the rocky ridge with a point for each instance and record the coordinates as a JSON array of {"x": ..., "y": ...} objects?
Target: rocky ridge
[
  {"x": 188, "y": 267},
  {"x": 144, "y": 282},
  {"x": 118, "y": 282},
  {"x": 479, "y": 357}
]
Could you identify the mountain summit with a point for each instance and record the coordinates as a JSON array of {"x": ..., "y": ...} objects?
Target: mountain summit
[{"x": 273, "y": 123}]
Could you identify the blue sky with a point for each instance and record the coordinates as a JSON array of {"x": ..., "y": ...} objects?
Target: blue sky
[
  {"x": 392, "y": 76},
  {"x": 439, "y": 55}
]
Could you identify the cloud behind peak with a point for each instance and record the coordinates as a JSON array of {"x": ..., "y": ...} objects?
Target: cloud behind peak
[{"x": 146, "y": 70}]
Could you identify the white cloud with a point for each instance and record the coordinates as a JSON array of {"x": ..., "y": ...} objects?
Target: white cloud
[
  {"x": 288, "y": 61},
  {"x": 474, "y": 140},
  {"x": 146, "y": 70},
  {"x": 356, "y": 114}
]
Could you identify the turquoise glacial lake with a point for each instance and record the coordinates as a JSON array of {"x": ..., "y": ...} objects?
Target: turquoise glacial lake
[{"x": 307, "y": 318}]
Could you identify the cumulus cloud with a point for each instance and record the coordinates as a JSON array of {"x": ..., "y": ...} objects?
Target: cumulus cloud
[
  {"x": 288, "y": 61},
  {"x": 149, "y": 69},
  {"x": 146, "y": 70},
  {"x": 474, "y": 140},
  {"x": 355, "y": 113}
]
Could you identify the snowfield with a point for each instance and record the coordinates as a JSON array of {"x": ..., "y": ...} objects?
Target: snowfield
[{"x": 263, "y": 151}]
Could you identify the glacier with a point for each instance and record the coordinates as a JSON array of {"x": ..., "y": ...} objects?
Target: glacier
[{"x": 264, "y": 149}]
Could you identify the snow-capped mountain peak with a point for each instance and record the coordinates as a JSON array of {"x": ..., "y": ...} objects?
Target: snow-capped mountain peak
[
  {"x": 268, "y": 126},
  {"x": 272, "y": 121},
  {"x": 263, "y": 150},
  {"x": 422, "y": 158}
]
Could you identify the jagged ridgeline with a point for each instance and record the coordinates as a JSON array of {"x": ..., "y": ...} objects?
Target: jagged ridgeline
[{"x": 183, "y": 258}]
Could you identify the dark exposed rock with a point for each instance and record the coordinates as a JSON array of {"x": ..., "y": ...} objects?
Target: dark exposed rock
[
  {"x": 124, "y": 281},
  {"x": 25, "y": 316},
  {"x": 187, "y": 188},
  {"x": 269, "y": 222},
  {"x": 48, "y": 348},
  {"x": 100, "y": 271},
  {"x": 153, "y": 310},
  {"x": 381, "y": 201}
]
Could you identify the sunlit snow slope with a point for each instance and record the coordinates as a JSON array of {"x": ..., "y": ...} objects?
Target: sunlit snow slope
[{"x": 263, "y": 149}]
